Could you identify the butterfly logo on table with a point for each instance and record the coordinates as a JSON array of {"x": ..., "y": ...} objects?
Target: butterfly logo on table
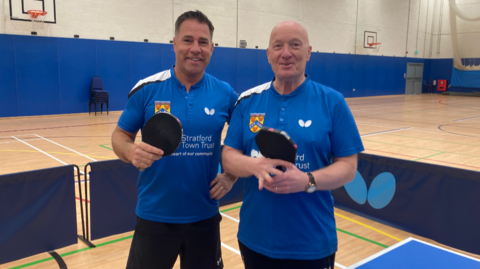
[
  {"x": 305, "y": 124},
  {"x": 210, "y": 112},
  {"x": 256, "y": 122},
  {"x": 379, "y": 195},
  {"x": 162, "y": 106}
]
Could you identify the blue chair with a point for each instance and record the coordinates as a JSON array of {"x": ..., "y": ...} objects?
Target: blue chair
[
  {"x": 97, "y": 95},
  {"x": 429, "y": 86}
]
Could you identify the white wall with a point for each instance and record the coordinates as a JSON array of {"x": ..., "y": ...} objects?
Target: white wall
[
  {"x": 333, "y": 25},
  {"x": 468, "y": 32}
]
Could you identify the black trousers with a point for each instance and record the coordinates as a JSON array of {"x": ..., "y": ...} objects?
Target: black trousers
[
  {"x": 255, "y": 260},
  {"x": 157, "y": 245}
]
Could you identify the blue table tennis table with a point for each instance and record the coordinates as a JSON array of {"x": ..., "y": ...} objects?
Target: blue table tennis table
[{"x": 415, "y": 254}]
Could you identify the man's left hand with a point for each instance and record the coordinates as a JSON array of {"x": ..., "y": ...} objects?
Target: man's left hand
[
  {"x": 221, "y": 185},
  {"x": 291, "y": 181}
]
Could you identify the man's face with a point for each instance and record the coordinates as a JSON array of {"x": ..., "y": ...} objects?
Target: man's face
[
  {"x": 288, "y": 51},
  {"x": 193, "y": 47}
]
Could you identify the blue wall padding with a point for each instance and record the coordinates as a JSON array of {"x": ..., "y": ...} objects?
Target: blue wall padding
[
  {"x": 264, "y": 71},
  {"x": 466, "y": 79},
  {"x": 77, "y": 64},
  {"x": 115, "y": 69},
  {"x": 432, "y": 201},
  {"x": 345, "y": 81},
  {"x": 113, "y": 198},
  {"x": 246, "y": 68},
  {"x": 8, "y": 82},
  {"x": 37, "y": 212},
  {"x": 146, "y": 59},
  {"x": 168, "y": 56},
  {"x": 48, "y": 75},
  {"x": 225, "y": 60},
  {"x": 37, "y": 75}
]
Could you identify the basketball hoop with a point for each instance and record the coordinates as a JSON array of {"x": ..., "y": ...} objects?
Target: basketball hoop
[
  {"x": 375, "y": 46},
  {"x": 38, "y": 18}
]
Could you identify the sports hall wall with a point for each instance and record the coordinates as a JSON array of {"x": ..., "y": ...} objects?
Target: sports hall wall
[{"x": 50, "y": 73}]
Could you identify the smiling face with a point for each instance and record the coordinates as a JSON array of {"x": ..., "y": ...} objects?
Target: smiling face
[
  {"x": 288, "y": 51},
  {"x": 193, "y": 48}
]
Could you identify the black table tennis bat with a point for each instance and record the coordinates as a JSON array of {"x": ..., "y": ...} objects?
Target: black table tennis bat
[
  {"x": 276, "y": 144},
  {"x": 164, "y": 131}
]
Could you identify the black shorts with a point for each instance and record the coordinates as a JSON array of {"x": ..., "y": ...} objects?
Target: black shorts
[
  {"x": 255, "y": 260},
  {"x": 157, "y": 245}
]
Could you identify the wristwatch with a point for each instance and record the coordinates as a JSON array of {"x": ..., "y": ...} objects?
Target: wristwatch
[{"x": 311, "y": 186}]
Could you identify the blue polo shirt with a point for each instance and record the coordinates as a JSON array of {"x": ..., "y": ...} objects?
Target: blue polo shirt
[
  {"x": 176, "y": 189},
  {"x": 297, "y": 226}
]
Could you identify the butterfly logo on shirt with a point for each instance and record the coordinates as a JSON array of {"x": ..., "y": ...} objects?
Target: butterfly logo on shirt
[
  {"x": 305, "y": 124},
  {"x": 255, "y": 154},
  {"x": 210, "y": 112}
]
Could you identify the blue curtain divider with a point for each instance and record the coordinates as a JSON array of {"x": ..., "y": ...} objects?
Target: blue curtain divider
[
  {"x": 113, "y": 197},
  {"x": 37, "y": 212},
  {"x": 436, "y": 202}
]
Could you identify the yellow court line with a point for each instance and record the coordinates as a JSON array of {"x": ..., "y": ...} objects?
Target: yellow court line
[
  {"x": 369, "y": 227},
  {"x": 63, "y": 153}
]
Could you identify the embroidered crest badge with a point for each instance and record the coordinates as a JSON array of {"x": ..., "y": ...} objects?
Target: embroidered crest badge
[
  {"x": 162, "y": 106},
  {"x": 256, "y": 121}
]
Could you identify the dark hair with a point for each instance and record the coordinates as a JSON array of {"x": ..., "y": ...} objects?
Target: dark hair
[{"x": 195, "y": 15}]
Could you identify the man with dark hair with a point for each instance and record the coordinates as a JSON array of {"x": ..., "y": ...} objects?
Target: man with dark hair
[
  {"x": 287, "y": 219},
  {"x": 177, "y": 208}
]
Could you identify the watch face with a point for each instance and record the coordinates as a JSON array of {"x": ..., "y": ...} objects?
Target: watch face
[{"x": 311, "y": 189}]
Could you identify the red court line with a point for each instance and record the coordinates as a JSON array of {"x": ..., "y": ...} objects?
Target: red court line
[
  {"x": 82, "y": 199},
  {"x": 59, "y": 127}
]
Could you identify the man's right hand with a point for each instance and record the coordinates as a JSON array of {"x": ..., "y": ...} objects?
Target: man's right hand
[
  {"x": 262, "y": 168},
  {"x": 142, "y": 155}
]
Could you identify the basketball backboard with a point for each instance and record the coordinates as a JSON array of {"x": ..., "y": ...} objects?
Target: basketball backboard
[
  {"x": 369, "y": 38},
  {"x": 19, "y": 8}
]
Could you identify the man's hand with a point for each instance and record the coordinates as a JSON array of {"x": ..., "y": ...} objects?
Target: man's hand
[
  {"x": 142, "y": 155},
  {"x": 221, "y": 185},
  {"x": 291, "y": 181},
  {"x": 263, "y": 169}
]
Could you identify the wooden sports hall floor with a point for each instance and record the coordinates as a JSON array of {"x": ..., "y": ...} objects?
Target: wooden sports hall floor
[{"x": 437, "y": 129}]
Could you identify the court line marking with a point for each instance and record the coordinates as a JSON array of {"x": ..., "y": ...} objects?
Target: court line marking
[
  {"x": 238, "y": 252},
  {"x": 9, "y": 136},
  {"x": 57, "y": 127},
  {"x": 347, "y": 218},
  {"x": 33, "y": 139},
  {"x": 100, "y": 245},
  {"x": 378, "y": 254},
  {"x": 41, "y": 151},
  {"x": 46, "y": 154},
  {"x": 230, "y": 248},
  {"x": 393, "y": 153},
  {"x": 63, "y": 153},
  {"x": 467, "y": 119},
  {"x": 367, "y": 226},
  {"x": 65, "y": 147},
  {"x": 417, "y": 129},
  {"x": 227, "y": 216},
  {"x": 385, "y": 132}
]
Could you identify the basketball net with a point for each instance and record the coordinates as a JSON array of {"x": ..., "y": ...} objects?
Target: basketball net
[
  {"x": 375, "y": 46},
  {"x": 469, "y": 47},
  {"x": 38, "y": 18}
]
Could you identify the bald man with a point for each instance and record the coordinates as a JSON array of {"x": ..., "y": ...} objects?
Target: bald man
[{"x": 286, "y": 220}]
